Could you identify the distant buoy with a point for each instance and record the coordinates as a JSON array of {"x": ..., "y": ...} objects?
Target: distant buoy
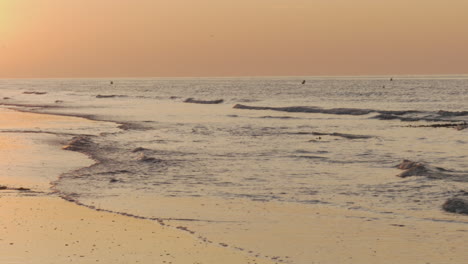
[
  {"x": 391, "y": 79},
  {"x": 303, "y": 82},
  {"x": 111, "y": 82}
]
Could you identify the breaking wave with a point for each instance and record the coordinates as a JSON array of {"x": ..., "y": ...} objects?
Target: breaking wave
[
  {"x": 195, "y": 101},
  {"x": 404, "y": 115},
  {"x": 412, "y": 168}
]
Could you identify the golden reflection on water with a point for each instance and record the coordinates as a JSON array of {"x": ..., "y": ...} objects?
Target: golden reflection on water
[
  {"x": 12, "y": 153},
  {"x": 10, "y": 119},
  {"x": 8, "y": 143},
  {"x": 33, "y": 160}
]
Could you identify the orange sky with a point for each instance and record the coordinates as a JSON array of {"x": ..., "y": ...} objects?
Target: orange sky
[{"x": 157, "y": 38}]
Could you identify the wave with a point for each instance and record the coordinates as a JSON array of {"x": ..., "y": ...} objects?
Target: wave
[
  {"x": 22, "y": 189},
  {"x": 413, "y": 168},
  {"x": 457, "y": 205},
  {"x": 79, "y": 143},
  {"x": 455, "y": 113},
  {"x": 457, "y": 126},
  {"x": 334, "y": 134},
  {"x": 245, "y": 100},
  {"x": 195, "y": 101},
  {"x": 110, "y": 95},
  {"x": 308, "y": 157},
  {"x": 279, "y": 117},
  {"x": 143, "y": 158},
  {"x": 309, "y": 109},
  {"x": 34, "y": 92},
  {"x": 402, "y": 115}
]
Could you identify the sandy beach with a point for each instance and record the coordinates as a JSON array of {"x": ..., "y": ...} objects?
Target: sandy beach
[
  {"x": 40, "y": 227},
  {"x": 50, "y": 230},
  {"x": 233, "y": 132},
  {"x": 292, "y": 233}
]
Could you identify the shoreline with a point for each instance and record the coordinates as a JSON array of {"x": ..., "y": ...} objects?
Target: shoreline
[
  {"x": 294, "y": 233},
  {"x": 50, "y": 230},
  {"x": 315, "y": 233},
  {"x": 41, "y": 227}
]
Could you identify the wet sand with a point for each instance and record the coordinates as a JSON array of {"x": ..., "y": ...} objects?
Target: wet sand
[
  {"x": 295, "y": 233},
  {"x": 51, "y": 230},
  {"x": 42, "y": 229},
  {"x": 39, "y": 227}
]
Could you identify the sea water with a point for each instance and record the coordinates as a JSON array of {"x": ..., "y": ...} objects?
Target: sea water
[{"x": 333, "y": 141}]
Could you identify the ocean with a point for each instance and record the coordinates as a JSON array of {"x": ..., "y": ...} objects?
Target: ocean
[{"x": 332, "y": 141}]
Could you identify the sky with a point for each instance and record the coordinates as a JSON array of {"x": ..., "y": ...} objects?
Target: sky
[{"x": 202, "y": 38}]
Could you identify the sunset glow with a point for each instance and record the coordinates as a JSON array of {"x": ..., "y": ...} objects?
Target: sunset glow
[
  {"x": 136, "y": 38},
  {"x": 233, "y": 131}
]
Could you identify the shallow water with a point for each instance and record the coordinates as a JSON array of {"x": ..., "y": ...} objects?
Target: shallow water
[{"x": 324, "y": 142}]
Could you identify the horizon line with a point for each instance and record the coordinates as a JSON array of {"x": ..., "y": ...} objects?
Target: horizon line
[{"x": 250, "y": 76}]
